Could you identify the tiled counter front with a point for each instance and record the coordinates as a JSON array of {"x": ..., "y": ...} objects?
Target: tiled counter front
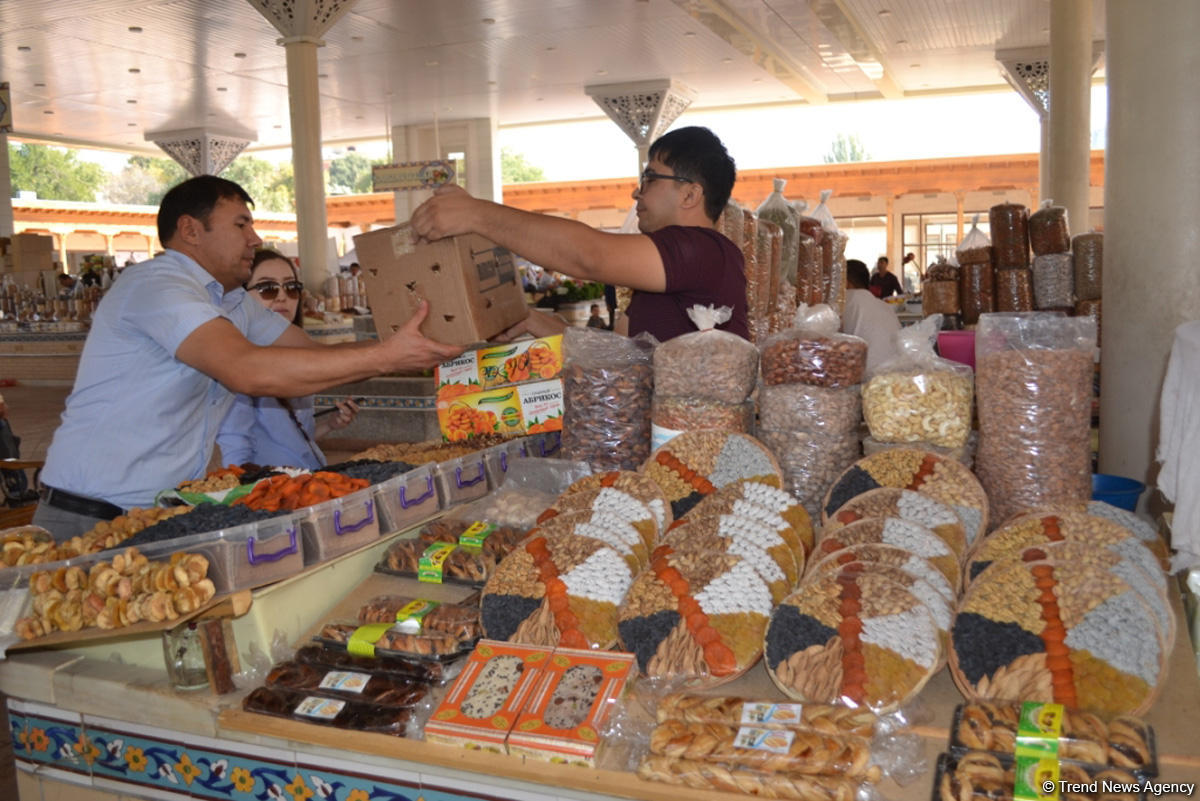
[{"x": 51, "y": 357}]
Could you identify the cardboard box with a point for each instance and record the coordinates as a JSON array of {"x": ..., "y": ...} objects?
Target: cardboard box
[
  {"x": 31, "y": 243},
  {"x": 510, "y": 410},
  {"x": 570, "y": 733},
  {"x": 464, "y": 719},
  {"x": 500, "y": 365},
  {"x": 24, "y": 261},
  {"x": 472, "y": 285}
]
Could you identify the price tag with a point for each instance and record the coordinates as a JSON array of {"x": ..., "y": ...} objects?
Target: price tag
[
  {"x": 431, "y": 567},
  {"x": 319, "y": 708},
  {"x": 777, "y": 741},
  {"x": 759, "y": 713},
  {"x": 345, "y": 680}
]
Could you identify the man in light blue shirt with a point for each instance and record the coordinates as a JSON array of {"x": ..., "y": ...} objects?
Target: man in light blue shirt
[{"x": 170, "y": 343}]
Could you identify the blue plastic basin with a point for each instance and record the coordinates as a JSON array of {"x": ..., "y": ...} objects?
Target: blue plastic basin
[{"x": 1117, "y": 490}]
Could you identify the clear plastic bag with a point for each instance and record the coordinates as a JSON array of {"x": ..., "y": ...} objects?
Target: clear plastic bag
[
  {"x": 942, "y": 270},
  {"x": 732, "y": 223},
  {"x": 809, "y": 287},
  {"x": 1090, "y": 308},
  {"x": 784, "y": 308},
  {"x": 828, "y": 244},
  {"x": 837, "y": 274},
  {"x": 1033, "y": 380},
  {"x": 812, "y": 352},
  {"x": 975, "y": 247},
  {"x": 1009, "y": 223},
  {"x": 1048, "y": 231},
  {"x": 940, "y": 297},
  {"x": 811, "y": 461},
  {"x": 707, "y": 364},
  {"x": 768, "y": 257},
  {"x": 1014, "y": 290},
  {"x": 752, "y": 270},
  {"x": 917, "y": 396},
  {"x": 776, "y": 209},
  {"x": 1088, "y": 252},
  {"x": 976, "y": 291},
  {"x": 1053, "y": 281},
  {"x": 608, "y": 384},
  {"x": 673, "y": 415},
  {"x": 803, "y": 407}
]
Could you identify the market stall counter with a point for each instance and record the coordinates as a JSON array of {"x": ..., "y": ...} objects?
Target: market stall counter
[{"x": 92, "y": 729}]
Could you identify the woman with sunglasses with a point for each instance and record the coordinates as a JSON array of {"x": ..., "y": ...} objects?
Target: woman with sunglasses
[{"x": 278, "y": 431}]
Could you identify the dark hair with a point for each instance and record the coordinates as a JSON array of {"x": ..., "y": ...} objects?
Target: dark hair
[
  {"x": 697, "y": 154},
  {"x": 195, "y": 197},
  {"x": 266, "y": 254},
  {"x": 857, "y": 274}
]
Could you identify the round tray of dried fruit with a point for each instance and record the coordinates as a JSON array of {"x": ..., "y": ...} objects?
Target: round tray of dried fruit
[
  {"x": 891, "y": 555},
  {"x": 903, "y": 534},
  {"x": 1141, "y": 528},
  {"x": 764, "y": 502},
  {"x": 914, "y": 507},
  {"x": 627, "y": 481},
  {"x": 696, "y": 617},
  {"x": 624, "y": 538},
  {"x": 946, "y": 480},
  {"x": 855, "y": 638},
  {"x": 774, "y": 561},
  {"x": 1069, "y": 633},
  {"x": 557, "y": 589},
  {"x": 611, "y": 503},
  {"x": 698, "y": 463},
  {"x": 1039, "y": 528}
]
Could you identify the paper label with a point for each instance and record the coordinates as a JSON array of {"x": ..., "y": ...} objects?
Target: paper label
[
  {"x": 320, "y": 708},
  {"x": 542, "y": 405},
  {"x": 660, "y": 436},
  {"x": 1036, "y": 778},
  {"x": 759, "y": 713},
  {"x": 776, "y": 741},
  {"x": 1039, "y": 728},
  {"x": 362, "y": 641},
  {"x": 345, "y": 680},
  {"x": 476, "y": 534},
  {"x": 410, "y": 618},
  {"x": 431, "y": 566}
]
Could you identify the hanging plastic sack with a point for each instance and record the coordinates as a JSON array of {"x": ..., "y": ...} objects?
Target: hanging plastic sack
[
  {"x": 707, "y": 363},
  {"x": 813, "y": 352},
  {"x": 607, "y": 390},
  {"x": 778, "y": 210},
  {"x": 917, "y": 396},
  {"x": 1048, "y": 229}
]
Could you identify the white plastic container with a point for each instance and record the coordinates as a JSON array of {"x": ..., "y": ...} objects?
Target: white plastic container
[
  {"x": 340, "y": 525},
  {"x": 407, "y": 499},
  {"x": 462, "y": 479}
]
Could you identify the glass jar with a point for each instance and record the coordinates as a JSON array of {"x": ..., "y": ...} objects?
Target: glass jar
[{"x": 184, "y": 657}]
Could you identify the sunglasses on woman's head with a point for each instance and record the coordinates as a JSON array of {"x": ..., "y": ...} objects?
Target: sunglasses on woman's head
[{"x": 269, "y": 290}]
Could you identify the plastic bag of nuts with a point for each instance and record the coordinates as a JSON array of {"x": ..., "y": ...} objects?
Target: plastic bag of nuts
[
  {"x": 1048, "y": 229},
  {"x": 1014, "y": 290},
  {"x": 1088, "y": 252},
  {"x": 1034, "y": 390},
  {"x": 918, "y": 397},
  {"x": 976, "y": 291},
  {"x": 813, "y": 352},
  {"x": 608, "y": 382},
  {"x": 672, "y": 416},
  {"x": 809, "y": 288},
  {"x": 1053, "y": 281},
  {"x": 811, "y": 461},
  {"x": 939, "y": 297},
  {"x": 1009, "y": 223},
  {"x": 776, "y": 209},
  {"x": 803, "y": 407},
  {"x": 975, "y": 247},
  {"x": 707, "y": 364},
  {"x": 785, "y": 307}
]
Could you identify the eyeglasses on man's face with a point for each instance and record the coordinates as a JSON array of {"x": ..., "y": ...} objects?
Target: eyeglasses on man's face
[
  {"x": 650, "y": 176},
  {"x": 269, "y": 290}
]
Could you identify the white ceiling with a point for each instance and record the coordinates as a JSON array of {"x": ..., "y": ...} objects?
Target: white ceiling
[{"x": 79, "y": 73}]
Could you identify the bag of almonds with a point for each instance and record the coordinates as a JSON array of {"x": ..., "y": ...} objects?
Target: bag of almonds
[
  {"x": 608, "y": 383},
  {"x": 707, "y": 363},
  {"x": 1034, "y": 374},
  {"x": 813, "y": 352},
  {"x": 776, "y": 209},
  {"x": 918, "y": 397}
]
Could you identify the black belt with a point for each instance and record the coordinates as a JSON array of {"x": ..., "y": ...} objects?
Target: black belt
[{"x": 80, "y": 504}]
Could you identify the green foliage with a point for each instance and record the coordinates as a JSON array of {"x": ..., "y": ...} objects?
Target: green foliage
[
  {"x": 272, "y": 186},
  {"x": 846, "y": 148},
  {"x": 144, "y": 180},
  {"x": 515, "y": 169},
  {"x": 54, "y": 173},
  {"x": 350, "y": 174}
]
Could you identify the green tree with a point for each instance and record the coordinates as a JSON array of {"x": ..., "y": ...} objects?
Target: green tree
[
  {"x": 144, "y": 180},
  {"x": 846, "y": 148},
  {"x": 350, "y": 174},
  {"x": 515, "y": 169},
  {"x": 54, "y": 173},
  {"x": 272, "y": 186}
]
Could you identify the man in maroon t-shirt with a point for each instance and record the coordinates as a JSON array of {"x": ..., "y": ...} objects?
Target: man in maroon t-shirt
[{"x": 679, "y": 260}]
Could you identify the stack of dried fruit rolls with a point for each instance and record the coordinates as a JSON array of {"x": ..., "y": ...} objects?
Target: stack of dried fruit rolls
[
  {"x": 557, "y": 589},
  {"x": 906, "y": 505},
  {"x": 941, "y": 478},
  {"x": 698, "y": 463},
  {"x": 698, "y": 617},
  {"x": 609, "y": 502},
  {"x": 774, "y": 560},
  {"x": 911, "y": 537},
  {"x": 852, "y": 637},
  {"x": 626, "y": 481},
  {"x": 1070, "y": 633},
  {"x": 625, "y": 538},
  {"x": 763, "y": 502}
]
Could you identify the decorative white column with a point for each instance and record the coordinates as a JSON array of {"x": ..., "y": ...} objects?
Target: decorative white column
[
  {"x": 1151, "y": 205},
  {"x": 6, "y": 193},
  {"x": 1070, "y": 108}
]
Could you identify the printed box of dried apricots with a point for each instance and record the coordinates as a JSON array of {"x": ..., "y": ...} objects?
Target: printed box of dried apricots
[
  {"x": 487, "y": 697},
  {"x": 499, "y": 365},
  {"x": 562, "y": 718},
  {"x": 510, "y": 411}
]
